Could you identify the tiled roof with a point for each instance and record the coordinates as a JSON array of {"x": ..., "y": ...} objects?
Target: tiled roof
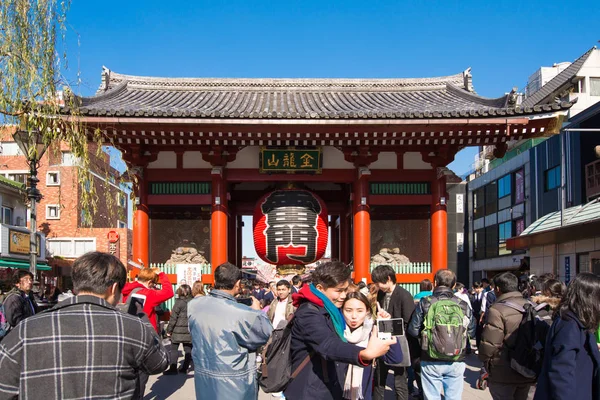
[
  {"x": 558, "y": 83},
  {"x": 12, "y": 184},
  {"x": 442, "y": 97}
]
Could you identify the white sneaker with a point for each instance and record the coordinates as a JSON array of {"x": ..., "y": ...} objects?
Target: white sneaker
[{"x": 278, "y": 395}]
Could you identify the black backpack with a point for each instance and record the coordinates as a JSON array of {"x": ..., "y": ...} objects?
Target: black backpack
[
  {"x": 276, "y": 369},
  {"x": 527, "y": 354}
]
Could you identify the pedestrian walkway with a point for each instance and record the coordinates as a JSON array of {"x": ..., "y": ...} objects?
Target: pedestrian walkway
[{"x": 181, "y": 387}]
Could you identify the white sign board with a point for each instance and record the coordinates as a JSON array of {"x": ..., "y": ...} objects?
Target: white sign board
[
  {"x": 189, "y": 273},
  {"x": 459, "y": 203}
]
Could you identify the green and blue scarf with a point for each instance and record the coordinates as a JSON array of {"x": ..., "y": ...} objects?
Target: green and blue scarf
[{"x": 335, "y": 313}]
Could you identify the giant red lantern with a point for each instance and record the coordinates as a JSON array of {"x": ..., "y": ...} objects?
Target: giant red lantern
[{"x": 290, "y": 229}]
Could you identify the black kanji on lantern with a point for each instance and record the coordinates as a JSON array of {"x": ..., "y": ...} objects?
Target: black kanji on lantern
[{"x": 291, "y": 219}]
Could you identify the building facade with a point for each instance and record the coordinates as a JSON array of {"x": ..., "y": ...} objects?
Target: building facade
[
  {"x": 70, "y": 230},
  {"x": 507, "y": 194}
]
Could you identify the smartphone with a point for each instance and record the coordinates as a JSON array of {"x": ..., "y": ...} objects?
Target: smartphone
[
  {"x": 244, "y": 300},
  {"x": 136, "y": 304},
  {"x": 390, "y": 327}
]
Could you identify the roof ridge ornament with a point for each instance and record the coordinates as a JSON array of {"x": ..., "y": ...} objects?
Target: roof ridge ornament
[
  {"x": 105, "y": 83},
  {"x": 468, "y": 80}
]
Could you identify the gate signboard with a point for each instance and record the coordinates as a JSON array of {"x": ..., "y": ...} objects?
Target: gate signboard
[{"x": 291, "y": 160}]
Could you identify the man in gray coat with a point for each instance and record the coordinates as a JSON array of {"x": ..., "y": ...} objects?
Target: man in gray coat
[
  {"x": 225, "y": 337},
  {"x": 82, "y": 348}
]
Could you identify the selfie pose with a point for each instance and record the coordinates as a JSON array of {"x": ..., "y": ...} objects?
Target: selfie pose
[
  {"x": 318, "y": 340},
  {"x": 359, "y": 327}
]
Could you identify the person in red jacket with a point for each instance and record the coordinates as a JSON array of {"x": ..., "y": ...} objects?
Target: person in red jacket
[{"x": 147, "y": 279}]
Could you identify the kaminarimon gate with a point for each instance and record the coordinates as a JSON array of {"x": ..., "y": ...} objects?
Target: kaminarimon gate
[{"x": 205, "y": 150}]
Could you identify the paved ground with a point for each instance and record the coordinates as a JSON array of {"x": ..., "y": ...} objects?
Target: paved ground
[{"x": 181, "y": 387}]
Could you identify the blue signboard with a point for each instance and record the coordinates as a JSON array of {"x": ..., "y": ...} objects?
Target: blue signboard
[{"x": 567, "y": 269}]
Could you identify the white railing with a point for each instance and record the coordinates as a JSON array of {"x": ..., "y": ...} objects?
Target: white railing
[
  {"x": 172, "y": 269},
  {"x": 408, "y": 268}
]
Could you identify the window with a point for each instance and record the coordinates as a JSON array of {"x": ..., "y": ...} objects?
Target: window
[
  {"x": 504, "y": 188},
  {"x": 552, "y": 178},
  {"x": 478, "y": 203},
  {"x": 491, "y": 241},
  {"x": 594, "y": 86},
  {"x": 71, "y": 247},
  {"x": 479, "y": 243},
  {"x": 491, "y": 198},
  {"x": 53, "y": 178},
  {"x": 121, "y": 199},
  {"x": 22, "y": 178},
  {"x": 504, "y": 232},
  {"x": 11, "y": 149},
  {"x": 86, "y": 218},
  {"x": 121, "y": 224},
  {"x": 52, "y": 211},
  {"x": 7, "y": 215},
  {"x": 67, "y": 159}
]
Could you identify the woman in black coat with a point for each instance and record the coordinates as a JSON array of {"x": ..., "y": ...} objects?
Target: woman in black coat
[
  {"x": 179, "y": 331},
  {"x": 318, "y": 342},
  {"x": 571, "y": 356}
]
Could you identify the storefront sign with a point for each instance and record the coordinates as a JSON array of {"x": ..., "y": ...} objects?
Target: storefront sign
[
  {"x": 19, "y": 242},
  {"x": 519, "y": 186},
  {"x": 114, "y": 244},
  {"x": 291, "y": 160},
  {"x": 567, "y": 269}
]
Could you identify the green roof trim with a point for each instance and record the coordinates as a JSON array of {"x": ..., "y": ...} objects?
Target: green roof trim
[
  {"x": 10, "y": 182},
  {"x": 22, "y": 265}
]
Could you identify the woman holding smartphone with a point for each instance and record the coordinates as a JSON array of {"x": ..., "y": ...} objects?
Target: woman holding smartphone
[{"x": 318, "y": 341}]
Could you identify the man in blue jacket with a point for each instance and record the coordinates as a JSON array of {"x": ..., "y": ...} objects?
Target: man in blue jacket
[{"x": 225, "y": 337}]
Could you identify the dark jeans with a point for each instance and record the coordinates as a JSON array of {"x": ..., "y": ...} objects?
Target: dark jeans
[
  {"x": 400, "y": 381},
  {"x": 501, "y": 391},
  {"x": 187, "y": 351},
  {"x": 478, "y": 332}
]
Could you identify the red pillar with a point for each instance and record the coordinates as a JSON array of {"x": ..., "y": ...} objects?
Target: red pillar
[
  {"x": 335, "y": 238},
  {"x": 439, "y": 225},
  {"x": 362, "y": 228},
  {"x": 141, "y": 225},
  {"x": 218, "y": 222}
]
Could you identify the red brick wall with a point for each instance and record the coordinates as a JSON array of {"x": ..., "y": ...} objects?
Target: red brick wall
[{"x": 67, "y": 195}]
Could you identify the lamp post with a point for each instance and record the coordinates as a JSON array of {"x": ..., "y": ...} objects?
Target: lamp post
[{"x": 33, "y": 146}]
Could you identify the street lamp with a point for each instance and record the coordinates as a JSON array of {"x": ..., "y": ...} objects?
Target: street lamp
[{"x": 33, "y": 146}]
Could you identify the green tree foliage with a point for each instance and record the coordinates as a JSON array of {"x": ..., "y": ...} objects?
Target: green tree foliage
[{"x": 34, "y": 93}]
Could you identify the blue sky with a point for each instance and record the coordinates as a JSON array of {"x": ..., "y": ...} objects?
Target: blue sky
[{"x": 503, "y": 41}]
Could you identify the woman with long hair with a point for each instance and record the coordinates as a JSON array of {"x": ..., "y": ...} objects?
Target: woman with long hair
[
  {"x": 360, "y": 319},
  {"x": 320, "y": 352},
  {"x": 571, "y": 356},
  {"x": 179, "y": 331},
  {"x": 198, "y": 289}
]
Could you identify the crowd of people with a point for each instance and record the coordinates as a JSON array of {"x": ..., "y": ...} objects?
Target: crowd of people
[{"x": 535, "y": 337}]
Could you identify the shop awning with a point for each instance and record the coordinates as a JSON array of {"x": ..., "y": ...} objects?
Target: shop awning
[
  {"x": 578, "y": 222},
  {"x": 22, "y": 265}
]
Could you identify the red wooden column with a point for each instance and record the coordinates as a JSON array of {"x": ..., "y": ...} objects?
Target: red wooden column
[
  {"x": 362, "y": 227},
  {"x": 141, "y": 222},
  {"x": 439, "y": 225},
  {"x": 218, "y": 222},
  {"x": 335, "y": 238}
]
